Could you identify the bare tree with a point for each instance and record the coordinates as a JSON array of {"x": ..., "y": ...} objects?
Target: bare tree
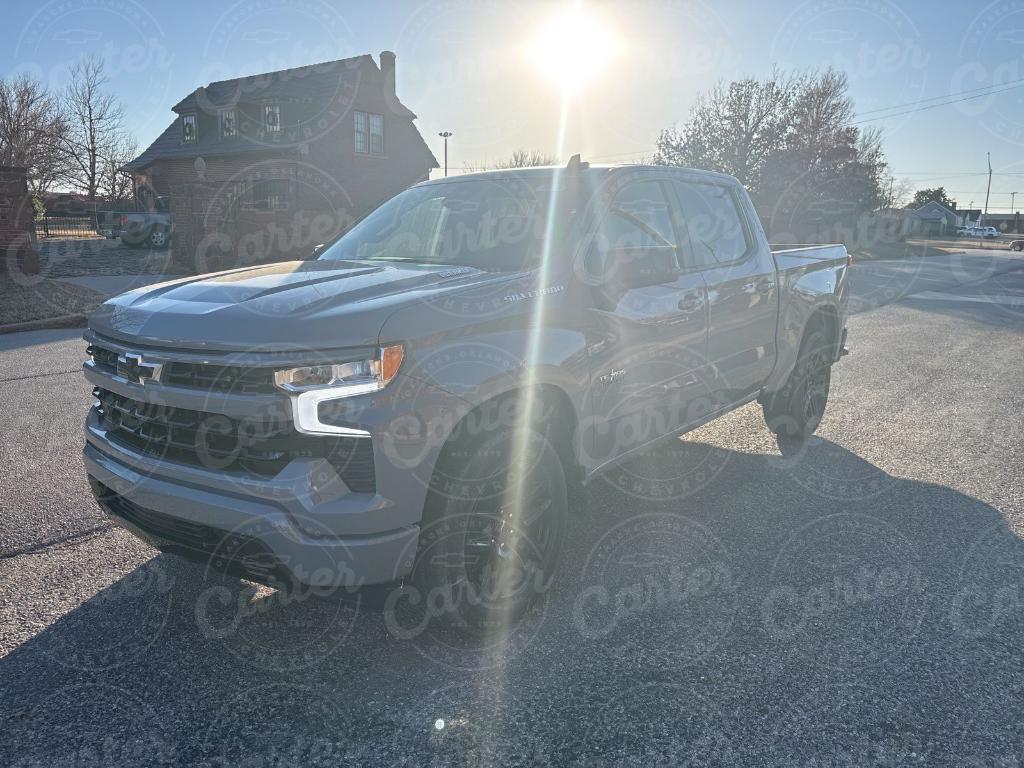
[
  {"x": 116, "y": 185},
  {"x": 32, "y": 129},
  {"x": 791, "y": 141},
  {"x": 735, "y": 128},
  {"x": 95, "y": 119},
  {"x": 522, "y": 158},
  {"x": 900, "y": 193}
]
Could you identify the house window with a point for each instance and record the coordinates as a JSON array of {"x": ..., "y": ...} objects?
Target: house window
[
  {"x": 268, "y": 195},
  {"x": 228, "y": 126},
  {"x": 272, "y": 117},
  {"x": 189, "y": 128},
  {"x": 376, "y": 134},
  {"x": 369, "y": 133}
]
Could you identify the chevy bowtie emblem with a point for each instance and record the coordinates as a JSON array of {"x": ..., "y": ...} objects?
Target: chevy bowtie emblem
[{"x": 137, "y": 370}]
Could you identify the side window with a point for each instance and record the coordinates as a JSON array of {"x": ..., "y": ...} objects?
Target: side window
[
  {"x": 638, "y": 218},
  {"x": 717, "y": 234}
]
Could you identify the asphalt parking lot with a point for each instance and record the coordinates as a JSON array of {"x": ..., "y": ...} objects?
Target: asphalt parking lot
[{"x": 861, "y": 600}]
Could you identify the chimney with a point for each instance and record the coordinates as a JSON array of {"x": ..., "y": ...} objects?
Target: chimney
[{"x": 387, "y": 68}]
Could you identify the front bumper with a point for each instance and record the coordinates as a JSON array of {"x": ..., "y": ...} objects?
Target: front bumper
[{"x": 274, "y": 536}]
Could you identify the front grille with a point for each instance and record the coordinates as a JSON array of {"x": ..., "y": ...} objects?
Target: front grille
[
  {"x": 229, "y": 551},
  {"x": 220, "y": 378},
  {"x": 261, "y": 445},
  {"x": 208, "y": 377},
  {"x": 105, "y": 358}
]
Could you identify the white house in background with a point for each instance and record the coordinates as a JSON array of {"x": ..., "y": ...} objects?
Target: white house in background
[{"x": 935, "y": 218}]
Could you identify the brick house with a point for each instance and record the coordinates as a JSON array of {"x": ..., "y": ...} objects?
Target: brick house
[{"x": 265, "y": 167}]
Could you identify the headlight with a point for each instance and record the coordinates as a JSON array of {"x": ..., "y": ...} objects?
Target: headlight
[{"x": 314, "y": 384}]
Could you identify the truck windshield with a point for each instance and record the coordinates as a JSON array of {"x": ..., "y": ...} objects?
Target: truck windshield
[{"x": 493, "y": 224}]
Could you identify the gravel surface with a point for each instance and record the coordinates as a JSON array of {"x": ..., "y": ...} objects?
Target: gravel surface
[{"x": 857, "y": 601}]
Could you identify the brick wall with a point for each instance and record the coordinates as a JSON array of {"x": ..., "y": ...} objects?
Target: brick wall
[{"x": 17, "y": 223}]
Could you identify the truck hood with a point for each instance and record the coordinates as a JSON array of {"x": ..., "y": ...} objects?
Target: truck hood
[{"x": 315, "y": 304}]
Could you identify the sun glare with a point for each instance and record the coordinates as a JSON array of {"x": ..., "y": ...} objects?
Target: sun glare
[{"x": 573, "y": 46}]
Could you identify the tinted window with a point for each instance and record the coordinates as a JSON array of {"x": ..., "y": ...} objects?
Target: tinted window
[
  {"x": 638, "y": 218},
  {"x": 717, "y": 235}
]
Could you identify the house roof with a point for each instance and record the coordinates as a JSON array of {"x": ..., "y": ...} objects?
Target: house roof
[
  {"x": 934, "y": 210},
  {"x": 322, "y": 82}
]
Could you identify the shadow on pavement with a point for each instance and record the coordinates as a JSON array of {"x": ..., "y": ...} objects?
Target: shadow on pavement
[{"x": 713, "y": 607}]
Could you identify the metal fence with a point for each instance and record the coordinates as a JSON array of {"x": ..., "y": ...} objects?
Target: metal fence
[{"x": 62, "y": 226}]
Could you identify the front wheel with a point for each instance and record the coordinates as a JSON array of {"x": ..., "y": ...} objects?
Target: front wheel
[
  {"x": 796, "y": 410},
  {"x": 492, "y": 529}
]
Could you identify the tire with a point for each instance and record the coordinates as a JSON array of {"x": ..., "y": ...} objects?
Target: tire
[
  {"x": 159, "y": 238},
  {"x": 796, "y": 410},
  {"x": 488, "y": 561}
]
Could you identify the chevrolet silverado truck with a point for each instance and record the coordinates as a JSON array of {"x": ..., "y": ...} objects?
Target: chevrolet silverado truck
[{"x": 421, "y": 404}]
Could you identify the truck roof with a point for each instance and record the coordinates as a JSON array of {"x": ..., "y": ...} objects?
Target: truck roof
[{"x": 600, "y": 170}]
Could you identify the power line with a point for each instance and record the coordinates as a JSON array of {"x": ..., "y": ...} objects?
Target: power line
[
  {"x": 933, "y": 106},
  {"x": 944, "y": 96}
]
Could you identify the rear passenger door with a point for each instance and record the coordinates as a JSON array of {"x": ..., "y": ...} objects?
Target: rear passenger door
[
  {"x": 646, "y": 337},
  {"x": 743, "y": 293}
]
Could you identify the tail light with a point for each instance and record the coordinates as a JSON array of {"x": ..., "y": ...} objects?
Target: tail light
[
  {"x": 849, "y": 260},
  {"x": 124, "y": 220}
]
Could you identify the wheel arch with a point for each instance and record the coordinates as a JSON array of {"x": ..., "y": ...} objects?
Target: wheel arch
[{"x": 552, "y": 407}]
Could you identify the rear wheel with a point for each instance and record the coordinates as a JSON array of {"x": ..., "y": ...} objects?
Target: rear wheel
[
  {"x": 159, "y": 238},
  {"x": 492, "y": 529},
  {"x": 796, "y": 410}
]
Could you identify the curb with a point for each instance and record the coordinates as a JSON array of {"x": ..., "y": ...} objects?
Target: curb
[{"x": 65, "y": 321}]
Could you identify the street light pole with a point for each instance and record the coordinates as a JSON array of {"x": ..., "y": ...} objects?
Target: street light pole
[{"x": 446, "y": 135}]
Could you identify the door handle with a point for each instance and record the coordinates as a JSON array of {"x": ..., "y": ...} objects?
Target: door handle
[{"x": 690, "y": 303}]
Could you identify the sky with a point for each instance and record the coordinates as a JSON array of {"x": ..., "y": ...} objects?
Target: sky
[{"x": 480, "y": 68}]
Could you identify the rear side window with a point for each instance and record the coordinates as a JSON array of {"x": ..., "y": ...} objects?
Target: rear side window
[
  {"x": 638, "y": 218},
  {"x": 717, "y": 233}
]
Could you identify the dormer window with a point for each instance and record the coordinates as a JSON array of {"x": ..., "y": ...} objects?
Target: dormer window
[
  {"x": 189, "y": 128},
  {"x": 369, "y": 130},
  {"x": 228, "y": 126},
  {"x": 272, "y": 117}
]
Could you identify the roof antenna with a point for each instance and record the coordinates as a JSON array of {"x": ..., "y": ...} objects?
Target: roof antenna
[{"x": 575, "y": 165}]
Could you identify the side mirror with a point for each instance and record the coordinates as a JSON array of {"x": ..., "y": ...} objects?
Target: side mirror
[{"x": 630, "y": 267}]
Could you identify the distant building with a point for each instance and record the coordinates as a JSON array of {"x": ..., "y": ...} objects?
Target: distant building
[
  {"x": 263, "y": 168},
  {"x": 968, "y": 217},
  {"x": 934, "y": 218},
  {"x": 1004, "y": 222}
]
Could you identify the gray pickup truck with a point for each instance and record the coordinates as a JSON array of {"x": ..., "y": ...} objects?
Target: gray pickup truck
[
  {"x": 421, "y": 404},
  {"x": 150, "y": 229}
]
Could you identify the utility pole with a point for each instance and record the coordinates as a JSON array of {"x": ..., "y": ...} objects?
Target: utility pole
[
  {"x": 892, "y": 179},
  {"x": 1013, "y": 210},
  {"x": 989, "y": 189},
  {"x": 446, "y": 135}
]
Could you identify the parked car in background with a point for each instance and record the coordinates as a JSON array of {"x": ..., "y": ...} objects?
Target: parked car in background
[
  {"x": 1017, "y": 245},
  {"x": 989, "y": 232}
]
